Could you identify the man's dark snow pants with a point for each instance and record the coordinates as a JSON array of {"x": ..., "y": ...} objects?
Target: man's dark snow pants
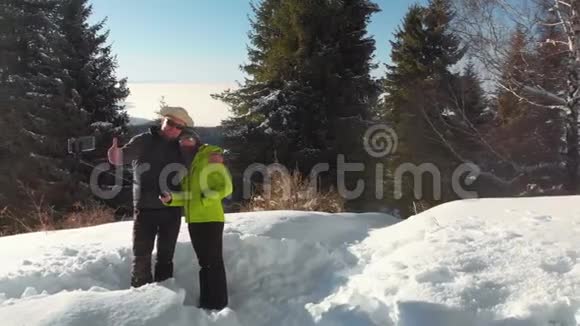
[{"x": 164, "y": 224}]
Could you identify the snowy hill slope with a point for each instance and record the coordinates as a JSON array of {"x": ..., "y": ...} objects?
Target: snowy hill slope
[
  {"x": 505, "y": 262},
  {"x": 508, "y": 262}
]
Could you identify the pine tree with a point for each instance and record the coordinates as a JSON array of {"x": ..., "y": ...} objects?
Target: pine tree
[
  {"x": 470, "y": 97},
  {"x": 401, "y": 82},
  {"x": 468, "y": 116},
  {"x": 407, "y": 57},
  {"x": 418, "y": 86},
  {"x": 551, "y": 52},
  {"x": 516, "y": 70},
  {"x": 39, "y": 114},
  {"x": 545, "y": 126},
  {"x": 56, "y": 79},
  {"x": 91, "y": 67},
  {"x": 443, "y": 47},
  {"x": 309, "y": 72}
]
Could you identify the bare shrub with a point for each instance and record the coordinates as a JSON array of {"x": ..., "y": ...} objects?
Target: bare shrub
[{"x": 293, "y": 192}]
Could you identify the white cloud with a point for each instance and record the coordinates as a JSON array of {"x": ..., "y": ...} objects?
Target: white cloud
[{"x": 195, "y": 98}]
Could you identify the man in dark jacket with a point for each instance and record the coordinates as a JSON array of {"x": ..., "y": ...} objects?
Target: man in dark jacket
[{"x": 153, "y": 155}]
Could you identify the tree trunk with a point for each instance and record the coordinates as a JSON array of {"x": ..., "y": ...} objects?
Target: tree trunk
[
  {"x": 572, "y": 149},
  {"x": 573, "y": 102}
]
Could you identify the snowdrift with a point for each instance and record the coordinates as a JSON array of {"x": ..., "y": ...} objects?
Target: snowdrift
[{"x": 508, "y": 262}]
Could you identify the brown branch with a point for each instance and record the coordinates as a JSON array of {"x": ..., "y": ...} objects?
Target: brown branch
[
  {"x": 537, "y": 92},
  {"x": 7, "y": 214},
  {"x": 564, "y": 3},
  {"x": 459, "y": 157},
  {"x": 476, "y": 134}
]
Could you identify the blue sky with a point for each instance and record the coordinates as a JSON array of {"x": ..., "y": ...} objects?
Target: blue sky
[{"x": 200, "y": 41}]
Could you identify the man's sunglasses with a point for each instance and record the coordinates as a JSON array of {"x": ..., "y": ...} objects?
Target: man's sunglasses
[{"x": 174, "y": 124}]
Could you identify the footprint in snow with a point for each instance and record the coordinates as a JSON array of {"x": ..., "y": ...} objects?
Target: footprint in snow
[
  {"x": 399, "y": 266},
  {"x": 512, "y": 235},
  {"x": 542, "y": 218},
  {"x": 574, "y": 255},
  {"x": 70, "y": 252},
  {"x": 560, "y": 265},
  {"x": 436, "y": 275},
  {"x": 472, "y": 266}
]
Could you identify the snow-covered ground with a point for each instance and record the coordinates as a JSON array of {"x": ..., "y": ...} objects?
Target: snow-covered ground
[{"x": 509, "y": 262}]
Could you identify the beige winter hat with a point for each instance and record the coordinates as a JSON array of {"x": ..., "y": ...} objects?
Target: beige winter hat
[{"x": 176, "y": 112}]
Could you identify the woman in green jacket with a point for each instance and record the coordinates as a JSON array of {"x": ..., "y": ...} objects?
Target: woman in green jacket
[{"x": 208, "y": 181}]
